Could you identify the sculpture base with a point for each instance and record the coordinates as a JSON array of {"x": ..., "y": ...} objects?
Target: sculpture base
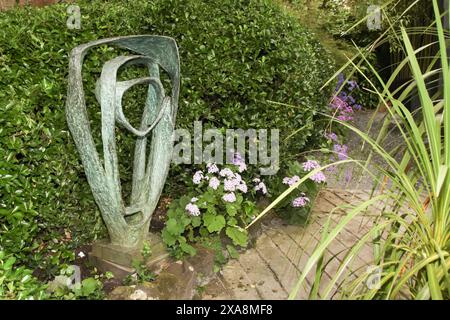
[{"x": 119, "y": 260}]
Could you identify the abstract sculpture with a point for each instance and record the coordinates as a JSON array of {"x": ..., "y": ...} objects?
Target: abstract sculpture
[{"x": 127, "y": 224}]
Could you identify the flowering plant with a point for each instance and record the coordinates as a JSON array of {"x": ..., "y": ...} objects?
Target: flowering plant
[
  {"x": 343, "y": 103},
  {"x": 221, "y": 200},
  {"x": 343, "y": 106},
  {"x": 296, "y": 206}
]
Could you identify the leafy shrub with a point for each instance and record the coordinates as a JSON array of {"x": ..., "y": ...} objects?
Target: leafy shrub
[
  {"x": 18, "y": 283},
  {"x": 344, "y": 21},
  {"x": 63, "y": 288},
  {"x": 251, "y": 52},
  {"x": 343, "y": 18},
  {"x": 221, "y": 200}
]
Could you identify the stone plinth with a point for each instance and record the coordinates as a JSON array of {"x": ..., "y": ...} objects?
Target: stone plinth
[
  {"x": 119, "y": 260},
  {"x": 176, "y": 281}
]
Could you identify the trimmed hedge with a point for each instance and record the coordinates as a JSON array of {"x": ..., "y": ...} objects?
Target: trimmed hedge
[{"x": 235, "y": 56}]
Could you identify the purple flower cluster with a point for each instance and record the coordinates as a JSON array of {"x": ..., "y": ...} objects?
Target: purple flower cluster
[
  {"x": 341, "y": 151},
  {"x": 300, "y": 201},
  {"x": 197, "y": 178},
  {"x": 239, "y": 162},
  {"x": 229, "y": 197},
  {"x": 343, "y": 104},
  {"x": 318, "y": 177},
  {"x": 212, "y": 168},
  {"x": 233, "y": 184},
  {"x": 332, "y": 136},
  {"x": 311, "y": 165},
  {"x": 291, "y": 180},
  {"x": 226, "y": 172},
  {"x": 352, "y": 85},
  {"x": 260, "y": 186},
  {"x": 214, "y": 183},
  {"x": 192, "y": 209},
  {"x": 231, "y": 181},
  {"x": 344, "y": 111},
  {"x": 348, "y": 176},
  {"x": 242, "y": 187}
]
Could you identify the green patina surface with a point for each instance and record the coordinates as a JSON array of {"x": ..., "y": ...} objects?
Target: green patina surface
[{"x": 127, "y": 223}]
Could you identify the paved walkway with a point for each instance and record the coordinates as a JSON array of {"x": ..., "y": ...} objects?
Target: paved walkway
[{"x": 271, "y": 269}]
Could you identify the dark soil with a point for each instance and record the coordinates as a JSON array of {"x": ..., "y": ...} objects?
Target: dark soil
[
  {"x": 160, "y": 215},
  {"x": 86, "y": 268}
]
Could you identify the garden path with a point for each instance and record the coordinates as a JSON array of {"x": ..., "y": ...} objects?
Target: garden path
[{"x": 272, "y": 267}]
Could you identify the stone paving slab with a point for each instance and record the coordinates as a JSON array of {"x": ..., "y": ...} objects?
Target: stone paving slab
[
  {"x": 272, "y": 268},
  {"x": 262, "y": 276},
  {"x": 239, "y": 283}
]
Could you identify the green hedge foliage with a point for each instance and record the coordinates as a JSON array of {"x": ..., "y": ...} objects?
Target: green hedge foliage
[{"x": 236, "y": 56}]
